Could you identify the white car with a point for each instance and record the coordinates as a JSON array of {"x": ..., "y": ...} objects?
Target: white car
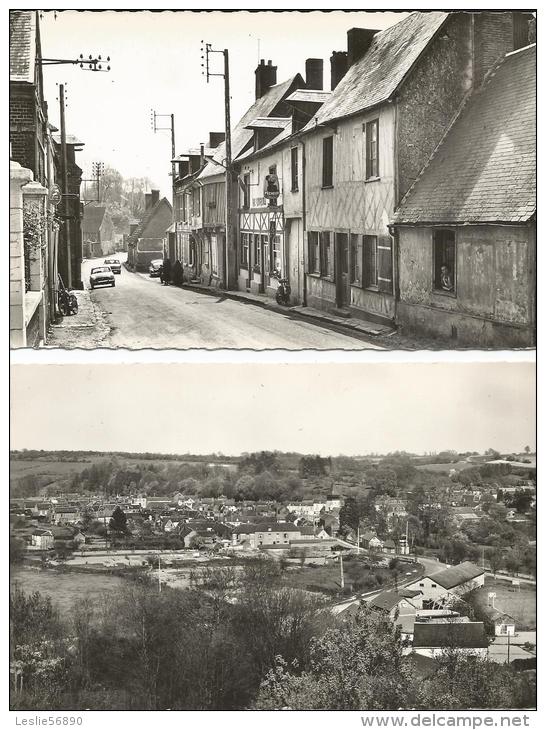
[{"x": 101, "y": 276}]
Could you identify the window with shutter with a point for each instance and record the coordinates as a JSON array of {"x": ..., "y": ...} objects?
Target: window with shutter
[
  {"x": 327, "y": 255},
  {"x": 327, "y": 162},
  {"x": 356, "y": 259},
  {"x": 372, "y": 149},
  {"x": 294, "y": 169},
  {"x": 313, "y": 252},
  {"x": 384, "y": 264},
  {"x": 370, "y": 261}
]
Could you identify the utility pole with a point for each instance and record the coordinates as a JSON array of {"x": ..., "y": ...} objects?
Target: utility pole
[
  {"x": 342, "y": 577},
  {"x": 207, "y": 49},
  {"x": 64, "y": 180},
  {"x": 154, "y": 116},
  {"x": 159, "y": 571}
]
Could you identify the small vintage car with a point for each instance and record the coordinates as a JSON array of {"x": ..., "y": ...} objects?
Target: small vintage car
[
  {"x": 155, "y": 267},
  {"x": 101, "y": 276},
  {"x": 114, "y": 264}
]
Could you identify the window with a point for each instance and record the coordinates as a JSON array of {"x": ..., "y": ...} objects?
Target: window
[
  {"x": 326, "y": 254},
  {"x": 370, "y": 261},
  {"x": 372, "y": 149},
  {"x": 356, "y": 259},
  {"x": 246, "y": 191},
  {"x": 196, "y": 202},
  {"x": 327, "y": 162},
  {"x": 276, "y": 264},
  {"x": 294, "y": 169},
  {"x": 444, "y": 261},
  {"x": 313, "y": 250},
  {"x": 244, "y": 250},
  {"x": 256, "y": 253},
  {"x": 214, "y": 253}
]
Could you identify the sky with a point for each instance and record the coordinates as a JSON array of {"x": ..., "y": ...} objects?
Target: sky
[
  {"x": 331, "y": 409},
  {"x": 156, "y": 64}
]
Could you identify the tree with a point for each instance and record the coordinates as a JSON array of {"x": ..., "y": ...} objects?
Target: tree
[{"x": 118, "y": 521}]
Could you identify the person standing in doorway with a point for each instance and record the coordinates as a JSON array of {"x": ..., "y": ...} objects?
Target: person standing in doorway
[{"x": 166, "y": 272}]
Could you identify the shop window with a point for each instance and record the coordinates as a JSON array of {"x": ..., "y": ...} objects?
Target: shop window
[
  {"x": 327, "y": 162},
  {"x": 294, "y": 169},
  {"x": 244, "y": 250},
  {"x": 326, "y": 255},
  {"x": 444, "y": 261},
  {"x": 356, "y": 259},
  {"x": 372, "y": 149},
  {"x": 214, "y": 253},
  {"x": 370, "y": 261},
  {"x": 313, "y": 252}
]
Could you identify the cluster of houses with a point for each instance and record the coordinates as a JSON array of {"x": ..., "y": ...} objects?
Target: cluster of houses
[
  {"x": 403, "y": 195},
  {"x": 431, "y": 616}
]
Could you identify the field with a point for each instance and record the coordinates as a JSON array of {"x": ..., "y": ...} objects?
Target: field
[
  {"x": 65, "y": 588},
  {"x": 520, "y": 604}
]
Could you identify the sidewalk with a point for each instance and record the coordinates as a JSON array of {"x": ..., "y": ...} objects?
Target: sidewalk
[{"x": 87, "y": 326}]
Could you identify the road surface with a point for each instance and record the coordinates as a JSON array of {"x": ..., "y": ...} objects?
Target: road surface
[{"x": 141, "y": 313}]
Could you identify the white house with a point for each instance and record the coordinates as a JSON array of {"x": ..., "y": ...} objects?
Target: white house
[{"x": 441, "y": 588}]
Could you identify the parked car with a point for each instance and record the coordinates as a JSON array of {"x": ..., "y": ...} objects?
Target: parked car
[
  {"x": 114, "y": 264},
  {"x": 155, "y": 267},
  {"x": 101, "y": 275}
]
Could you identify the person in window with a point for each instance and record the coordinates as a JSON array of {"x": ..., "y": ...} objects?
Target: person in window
[
  {"x": 271, "y": 185},
  {"x": 446, "y": 281}
]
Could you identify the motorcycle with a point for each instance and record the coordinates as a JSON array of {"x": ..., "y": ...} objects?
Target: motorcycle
[
  {"x": 66, "y": 300},
  {"x": 283, "y": 293}
]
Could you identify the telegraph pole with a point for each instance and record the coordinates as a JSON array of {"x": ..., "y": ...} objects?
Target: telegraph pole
[
  {"x": 342, "y": 578},
  {"x": 64, "y": 180},
  {"x": 230, "y": 238},
  {"x": 154, "y": 116}
]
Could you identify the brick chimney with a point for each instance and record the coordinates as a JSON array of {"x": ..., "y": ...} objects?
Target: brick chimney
[
  {"x": 338, "y": 67},
  {"x": 266, "y": 77},
  {"x": 358, "y": 42},
  {"x": 147, "y": 201},
  {"x": 155, "y": 197},
  {"x": 314, "y": 73},
  {"x": 216, "y": 138},
  {"x": 495, "y": 35}
]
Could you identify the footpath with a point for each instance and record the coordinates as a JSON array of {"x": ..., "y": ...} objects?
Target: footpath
[{"x": 87, "y": 330}]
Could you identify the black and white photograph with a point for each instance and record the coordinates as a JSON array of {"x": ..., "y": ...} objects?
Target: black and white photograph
[
  {"x": 273, "y": 180},
  {"x": 221, "y": 553}
]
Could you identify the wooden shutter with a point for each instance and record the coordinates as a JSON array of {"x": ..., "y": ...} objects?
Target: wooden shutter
[{"x": 384, "y": 264}]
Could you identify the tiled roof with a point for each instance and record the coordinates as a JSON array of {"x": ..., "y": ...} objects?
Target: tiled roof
[
  {"x": 386, "y": 600},
  {"x": 22, "y": 45},
  {"x": 469, "y": 635},
  {"x": 93, "y": 217},
  {"x": 137, "y": 233},
  {"x": 240, "y": 136},
  {"x": 375, "y": 77},
  {"x": 485, "y": 169},
  {"x": 456, "y": 575}
]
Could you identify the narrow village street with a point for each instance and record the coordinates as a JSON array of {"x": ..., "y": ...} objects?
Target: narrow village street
[{"x": 141, "y": 313}]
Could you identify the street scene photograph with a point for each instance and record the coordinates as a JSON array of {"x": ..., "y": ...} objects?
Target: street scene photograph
[
  {"x": 224, "y": 552},
  {"x": 263, "y": 180}
]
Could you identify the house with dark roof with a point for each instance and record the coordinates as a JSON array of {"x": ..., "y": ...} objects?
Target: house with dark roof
[
  {"x": 464, "y": 637},
  {"x": 400, "y": 606},
  {"x": 443, "y": 587},
  {"x": 146, "y": 241},
  {"x": 466, "y": 228},
  {"x": 97, "y": 232},
  {"x": 368, "y": 142},
  {"x": 266, "y": 534}
]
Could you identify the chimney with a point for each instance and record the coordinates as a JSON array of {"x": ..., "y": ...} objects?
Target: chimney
[
  {"x": 266, "y": 77},
  {"x": 338, "y": 67},
  {"x": 358, "y": 42},
  {"x": 147, "y": 201},
  {"x": 216, "y": 138},
  {"x": 155, "y": 197},
  {"x": 132, "y": 228},
  {"x": 314, "y": 73}
]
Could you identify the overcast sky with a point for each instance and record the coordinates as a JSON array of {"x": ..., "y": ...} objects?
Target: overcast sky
[
  {"x": 327, "y": 408},
  {"x": 156, "y": 64}
]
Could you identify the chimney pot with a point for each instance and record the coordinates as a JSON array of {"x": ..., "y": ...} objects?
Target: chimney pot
[
  {"x": 358, "y": 42},
  {"x": 338, "y": 67},
  {"x": 155, "y": 197},
  {"x": 147, "y": 200},
  {"x": 266, "y": 76},
  {"x": 314, "y": 73}
]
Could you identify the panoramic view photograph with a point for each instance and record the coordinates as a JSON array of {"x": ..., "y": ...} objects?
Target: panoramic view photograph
[{"x": 225, "y": 552}]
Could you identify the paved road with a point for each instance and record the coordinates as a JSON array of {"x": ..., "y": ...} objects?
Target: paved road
[{"x": 141, "y": 313}]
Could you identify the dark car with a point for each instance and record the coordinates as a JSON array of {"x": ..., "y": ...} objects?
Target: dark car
[
  {"x": 114, "y": 264},
  {"x": 101, "y": 276},
  {"x": 155, "y": 267}
]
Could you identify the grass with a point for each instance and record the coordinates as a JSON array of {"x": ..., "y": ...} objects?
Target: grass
[
  {"x": 65, "y": 588},
  {"x": 520, "y": 604}
]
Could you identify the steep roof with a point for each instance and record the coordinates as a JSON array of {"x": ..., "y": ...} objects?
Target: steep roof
[
  {"x": 468, "y": 635},
  {"x": 240, "y": 136},
  {"x": 93, "y": 217},
  {"x": 375, "y": 77},
  {"x": 456, "y": 575},
  {"x": 485, "y": 169},
  {"x": 145, "y": 221},
  {"x": 386, "y": 601},
  {"x": 22, "y": 45}
]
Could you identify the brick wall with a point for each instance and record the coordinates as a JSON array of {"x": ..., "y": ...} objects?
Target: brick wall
[
  {"x": 22, "y": 125},
  {"x": 493, "y": 38}
]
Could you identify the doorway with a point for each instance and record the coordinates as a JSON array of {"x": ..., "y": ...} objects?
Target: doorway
[{"x": 343, "y": 284}]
